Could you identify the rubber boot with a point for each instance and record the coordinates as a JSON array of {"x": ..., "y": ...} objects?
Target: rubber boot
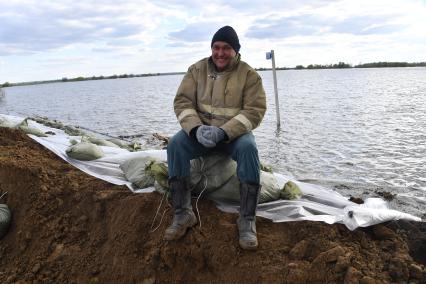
[
  {"x": 249, "y": 197},
  {"x": 184, "y": 217}
]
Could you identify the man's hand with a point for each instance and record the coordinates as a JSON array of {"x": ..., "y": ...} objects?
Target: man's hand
[
  {"x": 203, "y": 135},
  {"x": 216, "y": 134}
]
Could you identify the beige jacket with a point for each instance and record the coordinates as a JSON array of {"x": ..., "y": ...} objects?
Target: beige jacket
[{"x": 233, "y": 100}]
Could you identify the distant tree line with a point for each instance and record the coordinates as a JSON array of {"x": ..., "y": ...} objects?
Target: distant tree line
[
  {"x": 339, "y": 65},
  {"x": 326, "y": 66},
  {"x": 65, "y": 79},
  {"x": 342, "y": 65},
  {"x": 76, "y": 79},
  {"x": 391, "y": 64}
]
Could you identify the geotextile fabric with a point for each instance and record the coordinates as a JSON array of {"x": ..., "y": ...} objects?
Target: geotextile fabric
[{"x": 317, "y": 203}]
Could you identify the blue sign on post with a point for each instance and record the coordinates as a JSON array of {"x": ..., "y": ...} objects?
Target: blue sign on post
[{"x": 268, "y": 55}]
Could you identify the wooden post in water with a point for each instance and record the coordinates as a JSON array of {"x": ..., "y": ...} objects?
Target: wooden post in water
[{"x": 271, "y": 55}]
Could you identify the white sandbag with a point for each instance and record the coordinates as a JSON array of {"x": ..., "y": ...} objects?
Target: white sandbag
[
  {"x": 291, "y": 191},
  {"x": 47, "y": 122},
  {"x": 73, "y": 131},
  {"x": 33, "y": 131},
  {"x": 212, "y": 170},
  {"x": 23, "y": 126},
  {"x": 230, "y": 191},
  {"x": 7, "y": 123},
  {"x": 98, "y": 141},
  {"x": 270, "y": 189},
  {"x": 216, "y": 174},
  {"x": 84, "y": 151},
  {"x": 135, "y": 170}
]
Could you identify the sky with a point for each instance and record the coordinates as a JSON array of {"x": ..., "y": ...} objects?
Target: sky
[{"x": 47, "y": 40}]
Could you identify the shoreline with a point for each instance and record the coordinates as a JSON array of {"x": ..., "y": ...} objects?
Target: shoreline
[
  {"x": 260, "y": 69},
  {"x": 70, "y": 227}
]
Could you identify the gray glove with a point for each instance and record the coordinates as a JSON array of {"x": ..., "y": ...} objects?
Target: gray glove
[
  {"x": 216, "y": 134},
  {"x": 203, "y": 135}
]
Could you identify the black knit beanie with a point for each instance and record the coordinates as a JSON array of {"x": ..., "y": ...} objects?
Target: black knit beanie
[{"x": 228, "y": 35}]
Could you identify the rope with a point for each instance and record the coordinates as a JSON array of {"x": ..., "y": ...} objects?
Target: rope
[
  {"x": 3, "y": 195},
  {"x": 156, "y": 213},
  {"x": 198, "y": 198}
]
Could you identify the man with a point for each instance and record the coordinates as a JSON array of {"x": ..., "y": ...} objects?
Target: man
[{"x": 220, "y": 100}]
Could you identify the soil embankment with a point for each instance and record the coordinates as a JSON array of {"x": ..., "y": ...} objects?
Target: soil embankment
[{"x": 69, "y": 227}]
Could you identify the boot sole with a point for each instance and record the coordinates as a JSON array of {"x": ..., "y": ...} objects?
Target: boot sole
[
  {"x": 246, "y": 247},
  {"x": 179, "y": 234}
]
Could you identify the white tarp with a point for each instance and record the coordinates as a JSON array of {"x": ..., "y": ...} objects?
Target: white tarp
[{"x": 317, "y": 203}]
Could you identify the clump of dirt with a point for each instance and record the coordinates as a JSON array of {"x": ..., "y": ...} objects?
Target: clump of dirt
[
  {"x": 386, "y": 195},
  {"x": 356, "y": 200},
  {"x": 69, "y": 227}
]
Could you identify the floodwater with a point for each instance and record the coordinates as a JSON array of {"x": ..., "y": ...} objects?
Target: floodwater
[{"x": 359, "y": 131}]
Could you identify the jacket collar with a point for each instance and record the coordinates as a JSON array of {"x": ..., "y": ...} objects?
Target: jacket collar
[{"x": 232, "y": 65}]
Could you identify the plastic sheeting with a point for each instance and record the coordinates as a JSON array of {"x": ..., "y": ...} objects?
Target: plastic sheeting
[{"x": 316, "y": 204}]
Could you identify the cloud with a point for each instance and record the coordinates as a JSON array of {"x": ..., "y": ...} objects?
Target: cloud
[
  {"x": 311, "y": 25},
  {"x": 136, "y": 36},
  {"x": 46, "y": 26},
  {"x": 195, "y": 32},
  {"x": 242, "y": 6},
  {"x": 364, "y": 25},
  {"x": 285, "y": 27}
]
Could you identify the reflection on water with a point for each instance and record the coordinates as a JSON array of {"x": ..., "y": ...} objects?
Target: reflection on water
[{"x": 357, "y": 130}]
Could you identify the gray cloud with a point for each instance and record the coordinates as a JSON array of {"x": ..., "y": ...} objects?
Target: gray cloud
[
  {"x": 247, "y": 7},
  {"x": 285, "y": 27},
  {"x": 307, "y": 25},
  {"x": 195, "y": 32},
  {"x": 46, "y": 27},
  {"x": 364, "y": 25}
]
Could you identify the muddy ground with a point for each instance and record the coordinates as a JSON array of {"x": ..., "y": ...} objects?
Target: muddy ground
[{"x": 69, "y": 227}]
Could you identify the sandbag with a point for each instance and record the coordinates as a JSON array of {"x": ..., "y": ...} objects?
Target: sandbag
[
  {"x": 291, "y": 191},
  {"x": 5, "y": 217},
  {"x": 230, "y": 191},
  {"x": 216, "y": 174},
  {"x": 73, "y": 131},
  {"x": 46, "y": 122},
  {"x": 84, "y": 151},
  {"x": 98, "y": 141},
  {"x": 6, "y": 123},
  {"x": 131, "y": 146},
  {"x": 213, "y": 170},
  {"x": 160, "y": 173},
  {"x": 29, "y": 130},
  {"x": 270, "y": 189},
  {"x": 33, "y": 131},
  {"x": 137, "y": 171}
]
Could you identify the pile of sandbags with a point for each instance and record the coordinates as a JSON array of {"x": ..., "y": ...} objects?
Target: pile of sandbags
[
  {"x": 22, "y": 126},
  {"x": 214, "y": 175},
  {"x": 88, "y": 148}
]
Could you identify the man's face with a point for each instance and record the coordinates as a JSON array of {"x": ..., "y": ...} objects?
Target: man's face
[{"x": 222, "y": 54}]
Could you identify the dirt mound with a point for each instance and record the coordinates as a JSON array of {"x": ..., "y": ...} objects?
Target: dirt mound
[{"x": 69, "y": 227}]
